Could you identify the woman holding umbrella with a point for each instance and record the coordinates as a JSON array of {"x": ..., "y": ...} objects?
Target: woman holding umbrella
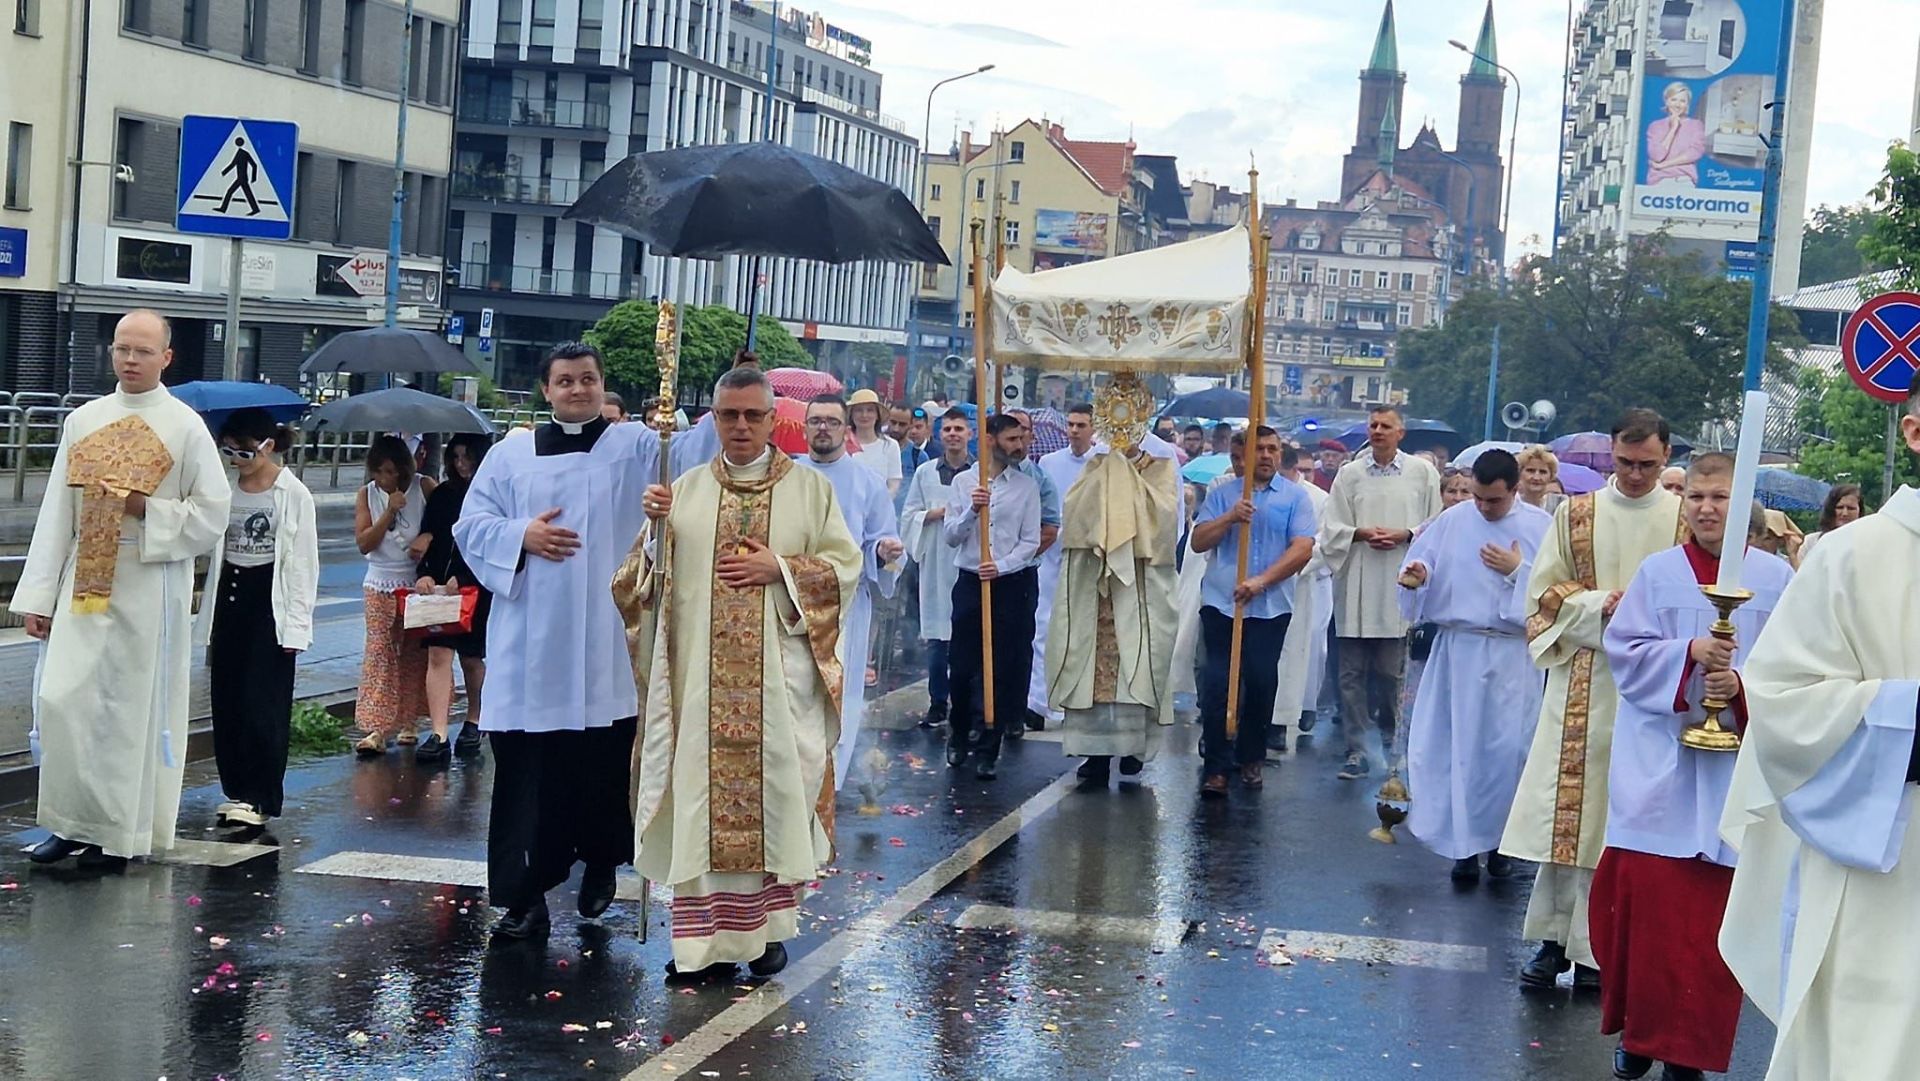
[
  {"x": 443, "y": 568},
  {"x": 386, "y": 525}
]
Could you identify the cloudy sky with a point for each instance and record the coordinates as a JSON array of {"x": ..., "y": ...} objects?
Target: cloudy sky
[{"x": 1214, "y": 80}]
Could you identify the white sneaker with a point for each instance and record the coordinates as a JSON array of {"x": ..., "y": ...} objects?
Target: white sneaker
[
  {"x": 246, "y": 814},
  {"x": 226, "y": 808}
]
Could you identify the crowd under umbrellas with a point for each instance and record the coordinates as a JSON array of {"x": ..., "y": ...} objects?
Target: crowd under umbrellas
[{"x": 621, "y": 559}]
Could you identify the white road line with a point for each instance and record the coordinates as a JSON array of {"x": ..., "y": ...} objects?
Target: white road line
[
  {"x": 192, "y": 852},
  {"x": 738, "y": 1019},
  {"x": 1148, "y": 931},
  {"x": 396, "y": 867},
  {"x": 1302, "y": 945}
]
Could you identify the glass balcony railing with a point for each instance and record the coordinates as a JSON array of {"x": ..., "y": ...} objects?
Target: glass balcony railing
[
  {"x": 533, "y": 190},
  {"x": 522, "y": 112},
  {"x": 544, "y": 281}
]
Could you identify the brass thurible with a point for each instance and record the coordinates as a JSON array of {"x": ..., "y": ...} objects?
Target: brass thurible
[
  {"x": 1391, "y": 803},
  {"x": 1708, "y": 735}
]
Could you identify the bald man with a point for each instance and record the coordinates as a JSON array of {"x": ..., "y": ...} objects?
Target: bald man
[{"x": 1674, "y": 479}]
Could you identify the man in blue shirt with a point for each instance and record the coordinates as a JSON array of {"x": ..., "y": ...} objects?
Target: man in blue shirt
[{"x": 1282, "y": 541}]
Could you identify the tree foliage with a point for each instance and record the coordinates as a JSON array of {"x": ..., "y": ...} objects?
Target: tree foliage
[
  {"x": 1894, "y": 239},
  {"x": 1830, "y": 247},
  {"x": 1595, "y": 333},
  {"x": 709, "y": 339}
]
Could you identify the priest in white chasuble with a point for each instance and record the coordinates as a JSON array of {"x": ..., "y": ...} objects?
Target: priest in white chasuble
[
  {"x": 1559, "y": 818},
  {"x": 1109, "y": 660},
  {"x": 1820, "y": 927},
  {"x": 137, "y": 491},
  {"x": 1661, "y": 888},
  {"x": 868, "y": 512},
  {"x": 546, "y": 522},
  {"x": 1479, "y": 699},
  {"x": 734, "y": 797}
]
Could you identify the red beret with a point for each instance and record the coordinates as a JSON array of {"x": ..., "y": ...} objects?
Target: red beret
[{"x": 1333, "y": 444}]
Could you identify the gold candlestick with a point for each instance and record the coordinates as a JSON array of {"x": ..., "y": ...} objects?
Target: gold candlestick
[
  {"x": 1708, "y": 735},
  {"x": 1391, "y": 804}
]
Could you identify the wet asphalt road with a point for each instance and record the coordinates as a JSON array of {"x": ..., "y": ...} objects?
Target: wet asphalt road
[{"x": 1022, "y": 928}]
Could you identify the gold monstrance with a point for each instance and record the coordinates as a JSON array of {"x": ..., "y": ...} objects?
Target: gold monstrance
[{"x": 1708, "y": 735}]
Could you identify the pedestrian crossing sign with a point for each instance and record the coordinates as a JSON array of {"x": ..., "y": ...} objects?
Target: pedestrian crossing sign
[{"x": 236, "y": 177}]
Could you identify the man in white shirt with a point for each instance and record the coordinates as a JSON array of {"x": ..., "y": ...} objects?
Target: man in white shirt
[
  {"x": 1013, "y": 501},
  {"x": 878, "y": 451}
]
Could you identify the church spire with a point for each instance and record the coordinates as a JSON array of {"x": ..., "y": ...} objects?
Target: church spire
[
  {"x": 1386, "y": 54},
  {"x": 1389, "y": 138},
  {"x": 1485, "y": 53}
]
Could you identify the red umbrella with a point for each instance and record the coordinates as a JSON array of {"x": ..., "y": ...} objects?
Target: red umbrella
[{"x": 802, "y": 383}]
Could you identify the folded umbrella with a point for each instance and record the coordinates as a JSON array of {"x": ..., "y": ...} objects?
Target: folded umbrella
[
  {"x": 388, "y": 349},
  {"x": 400, "y": 409}
]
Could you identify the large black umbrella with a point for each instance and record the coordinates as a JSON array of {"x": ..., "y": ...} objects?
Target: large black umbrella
[
  {"x": 757, "y": 199},
  {"x": 401, "y": 409},
  {"x": 388, "y": 349},
  {"x": 1215, "y": 402}
]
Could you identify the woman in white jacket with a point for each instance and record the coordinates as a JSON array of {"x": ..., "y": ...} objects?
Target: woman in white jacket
[{"x": 258, "y": 615}]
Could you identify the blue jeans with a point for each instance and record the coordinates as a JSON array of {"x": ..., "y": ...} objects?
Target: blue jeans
[{"x": 1260, "y": 644}]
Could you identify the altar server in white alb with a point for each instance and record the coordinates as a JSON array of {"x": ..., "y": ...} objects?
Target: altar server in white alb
[
  {"x": 1661, "y": 887},
  {"x": 1820, "y": 927},
  {"x": 1063, "y": 467},
  {"x": 1480, "y": 697},
  {"x": 920, "y": 517},
  {"x": 137, "y": 491},
  {"x": 868, "y": 511},
  {"x": 545, "y": 524}
]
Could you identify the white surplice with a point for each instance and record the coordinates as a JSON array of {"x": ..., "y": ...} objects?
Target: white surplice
[
  {"x": 1063, "y": 467},
  {"x": 110, "y": 697},
  {"x": 868, "y": 512},
  {"x": 1303, "y": 659},
  {"x": 927, "y": 547},
  {"x": 1479, "y": 698},
  {"x": 1366, "y": 593},
  {"x": 1663, "y": 798},
  {"x": 556, "y": 646},
  {"x": 1820, "y": 926}
]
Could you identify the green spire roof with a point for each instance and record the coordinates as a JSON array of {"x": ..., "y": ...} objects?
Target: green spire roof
[
  {"x": 1389, "y": 140},
  {"x": 1386, "y": 55},
  {"x": 1485, "y": 53}
]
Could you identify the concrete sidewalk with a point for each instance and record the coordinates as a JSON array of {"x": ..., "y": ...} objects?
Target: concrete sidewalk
[{"x": 17, "y": 516}]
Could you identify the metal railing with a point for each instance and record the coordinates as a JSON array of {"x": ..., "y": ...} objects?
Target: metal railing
[
  {"x": 535, "y": 190},
  {"x": 840, "y": 104},
  {"x": 526, "y": 112},
  {"x": 598, "y": 285}
]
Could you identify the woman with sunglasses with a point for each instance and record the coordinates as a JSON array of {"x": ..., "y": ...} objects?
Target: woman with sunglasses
[{"x": 256, "y": 615}]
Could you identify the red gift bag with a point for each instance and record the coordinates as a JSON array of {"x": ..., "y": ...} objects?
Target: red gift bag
[{"x": 436, "y": 615}]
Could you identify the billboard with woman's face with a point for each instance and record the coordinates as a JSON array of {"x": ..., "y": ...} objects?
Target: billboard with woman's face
[{"x": 1708, "y": 77}]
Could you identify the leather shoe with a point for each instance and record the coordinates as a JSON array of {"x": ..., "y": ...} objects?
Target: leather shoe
[
  {"x": 1499, "y": 865},
  {"x": 1097, "y": 769},
  {"x": 596, "y": 891},
  {"x": 1466, "y": 869},
  {"x": 771, "y": 962},
  {"x": 1131, "y": 766},
  {"x": 1670, "y": 1072},
  {"x": 56, "y": 848},
  {"x": 1035, "y": 722},
  {"x": 1586, "y": 979},
  {"x": 714, "y": 973},
  {"x": 1214, "y": 787},
  {"x": 94, "y": 858},
  {"x": 1250, "y": 776},
  {"x": 1546, "y": 966},
  {"x": 468, "y": 741},
  {"x": 956, "y": 756},
  {"x": 1628, "y": 1066},
  {"x": 1307, "y": 720},
  {"x": 986, "y": 769},
  {"x": 524, "y": 923}
]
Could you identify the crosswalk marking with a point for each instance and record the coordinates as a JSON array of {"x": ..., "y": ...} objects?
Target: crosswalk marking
[
  {"x": 1136, "y": 930},
  {"x": 1303, "y": 945},
  {"x": 397, "y": 867}
]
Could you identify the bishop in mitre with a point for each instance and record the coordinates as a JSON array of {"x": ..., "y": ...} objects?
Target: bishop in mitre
[
  {"x": 1109, "y": 650},
  {"x": 137, "y": 492},
  {"x": 748, "y": 567},
  {"x": 1559, "y": 818}
]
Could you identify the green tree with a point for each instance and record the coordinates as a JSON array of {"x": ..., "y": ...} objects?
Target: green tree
[
  {"x": 1595, "y": 332},
  {"x": 489, "y": 395},
  {"x": 1830, "y": 251},
  {"x": 708, "y": 341},
  {"x": 1845, "y": 433},
  {"x": 1894, "y": 240}
]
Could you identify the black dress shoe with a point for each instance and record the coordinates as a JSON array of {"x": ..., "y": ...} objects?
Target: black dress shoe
[
  {"x": 596, "y": 891},
  {"x": 56, "y": 848},
  {"x": 1586, "y": 979},
  {"x": 1628, "y": 1066},
  {"x": 1131, "y": 766},
  {"x": 771, "y": 962},
  {"x": 524, "y": 923},
  {"x": 956, "y": 756},
  {"x": 93, "y": 858},
  {"x": 1307, "y": 720},
  {"x": 717, "y": 972},
  {"x": 1277, "y": 737},
  {"x": 1670, "y": 1072},
  {"x": 1035, "y": 722},
  {"x": 1499, "y": 866},
  {"x": 986, "y": 769},
  {"x": 1466, "y": 870},
  {"x": 434, "y": 748},
  {"x": 1546, "y": 966},
  {"x": 936, "y": 716},
  {"x": 468, "y": 741},
  {"x": 1096, "y": 769}
]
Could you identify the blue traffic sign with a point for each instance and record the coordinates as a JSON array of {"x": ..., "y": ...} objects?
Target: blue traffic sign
[
  {"x": 236, "y": 177},
  {"x": 13, "y": 253},
  {"x": 1881, "y": 345}
]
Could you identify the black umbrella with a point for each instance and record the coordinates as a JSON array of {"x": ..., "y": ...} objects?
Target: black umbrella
[
  {"x": 757, "y": 199},
  {"x": 388, "y": 349},
  {"x": 401, "y": 409},
  {"x": 1216, "y": 402}
]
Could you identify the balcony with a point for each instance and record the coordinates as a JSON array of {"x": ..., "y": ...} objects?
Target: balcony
[
  {"x": 524, "y": 112},
  {"x": 526, "y": 190},
  {"x": 842, "y": 105},
  {"x": 544, "y": 281}
]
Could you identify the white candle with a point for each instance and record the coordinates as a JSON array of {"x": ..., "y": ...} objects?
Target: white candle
[{"x": 1746, "y": 470}]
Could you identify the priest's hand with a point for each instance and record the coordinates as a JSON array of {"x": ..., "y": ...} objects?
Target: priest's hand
[
  {"x": 744, "y": 570},
  {"x": 1712, "y": 654},
  {"x": 549, "y": 541},
  {"x": 1502, "y": 561},
  {"x": 1415, "y": 575},
  {"x": 658, "y": 501},
  {"x": 1382, "y": 539},
  {"x": 1724, "y": 685},
  {"x": 136, "y": 505},
  {"x": 39, "y": 627},
  {"x": 889, "y": 549}
]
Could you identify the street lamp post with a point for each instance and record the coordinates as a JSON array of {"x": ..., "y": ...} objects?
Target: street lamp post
[
  {"x": 960, "y": 248},
  {"x": 920, "y": 201},
  {"x": 1493, "y": 362}
]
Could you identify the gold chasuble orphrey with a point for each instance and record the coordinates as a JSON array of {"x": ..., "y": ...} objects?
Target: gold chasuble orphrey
[{"x": 124, "y": 456}]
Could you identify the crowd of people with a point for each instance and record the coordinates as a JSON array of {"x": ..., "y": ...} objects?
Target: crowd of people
[{"x": 684, "y": 630}]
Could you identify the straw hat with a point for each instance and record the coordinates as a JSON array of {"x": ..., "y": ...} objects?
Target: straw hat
[{"x": 863, "y": 397}]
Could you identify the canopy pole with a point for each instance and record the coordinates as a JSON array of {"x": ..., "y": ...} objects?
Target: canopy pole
[
  {"x": 981, "y": 382},
  {"x": 1256, "y": 409}
]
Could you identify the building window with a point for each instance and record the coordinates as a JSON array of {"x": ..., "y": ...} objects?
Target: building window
[
  {"x": 1310, "y": 242},
  {"x": 1013, "y": 193},
  {"x": 929, "y": 278},
  {"x": 353, "y": 42},
  {"x": 1333, "y": 276},
  {"x": 1329, "y": 311},
  {"x": 1282, "y": 273},
  {"x": 933, "y": 224},
  {"x": 1013, "y": 233},
  {"x": 507, "y": 32},
  {"x": 1405, "y": 315},
  {"x": 1326, "y": 347},
  {"x": 541, "y": 32},
  {"x": 1017, "y": 152},
  {"x": 253, "y": 30},
  {"x": 310, "y": 11},
  {"x": 19, "y": 164},
  {"x": 26, "y": 17},
  {"x": 1381, "y": 279},
  {"x": 1307, "y": 273},
  {"x": 347, "y": 179},
  {"x": 935, "y": 196},
  {"x": 968, "y": 322},
  {"x": 193, "y": 22},
  {"x": 980, "y": 189},
  {"x": 137, "y": 15},
  {"x": 590, "y": 26},
  {"x": 1355, "y": 277},
  {"x": 1299, "y": 309},
  {"x": 1406, "y": 283}
]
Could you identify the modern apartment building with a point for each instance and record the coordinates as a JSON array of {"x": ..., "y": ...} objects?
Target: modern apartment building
[
  {"x": 553, "y": 91},
  {"x": 93, "y": 99},
  {"x": 1666, "y": 116}
]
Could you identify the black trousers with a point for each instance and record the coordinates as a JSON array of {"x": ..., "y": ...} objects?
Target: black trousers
[
  {"x": 1260, "y": 643},
  {"x": 1015, "y": 597},
  {"x": 558, "y": 797},
  {"x": 251, "y": 689}
]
